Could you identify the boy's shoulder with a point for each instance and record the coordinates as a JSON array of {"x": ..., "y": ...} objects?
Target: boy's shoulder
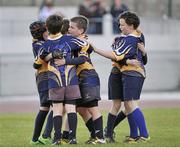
[
  {"x": 132, "y": 38},
  {"x": 72, "y": 39},
  {"x": 68, "y": 36},
  {"x": 37, "y": 43},
  {"x": 118, "y": 38},
  {"x": 136, "y": 36}
]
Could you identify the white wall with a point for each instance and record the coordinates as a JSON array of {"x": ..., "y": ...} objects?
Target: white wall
[{"x": 17, "y": 74}]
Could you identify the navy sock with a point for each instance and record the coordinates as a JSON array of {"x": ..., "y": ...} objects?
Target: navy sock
[
  {"x": 90, "y": 126},
  {"x": 40, "y": 118},
  {"x": 49, "y": 126},
  {"x": 57, "y": 121},
  {"x": 98, "y": 125},
  {"x": 139, "y": 117},
  {"x": 110, "y": 124},
  {"x": 133, "y": 126},
  {"x": 72, "y": 121},
  {"x": 120, "y": 117},
  {"x": 65, "y": 135}
]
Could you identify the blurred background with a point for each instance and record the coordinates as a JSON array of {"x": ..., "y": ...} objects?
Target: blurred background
[{"x": 160, "y": 21}]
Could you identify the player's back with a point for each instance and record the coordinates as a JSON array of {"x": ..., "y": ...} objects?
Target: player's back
[{"x": 66, "y": 74}]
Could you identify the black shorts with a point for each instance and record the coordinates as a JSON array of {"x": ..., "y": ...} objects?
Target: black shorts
[
  {"x": 44, "y": 99},
  {"x": 115, "y": 86},
  {"x": 90, "y": 104},
  {"x": 90, "y": 93},
  {"x": 72, "y": 102}
]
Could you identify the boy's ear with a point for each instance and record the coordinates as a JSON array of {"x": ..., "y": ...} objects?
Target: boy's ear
[{"x": 82, "y": 30}]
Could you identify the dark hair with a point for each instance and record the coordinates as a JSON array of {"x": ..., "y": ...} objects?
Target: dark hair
[
  {"x": 54, "y": 23},
  {"x": 37, "y": 29},
  {"x": 65, "y": 26},
  {"x": 130, "y": 18},
  {"x": 81, "y": 21}
]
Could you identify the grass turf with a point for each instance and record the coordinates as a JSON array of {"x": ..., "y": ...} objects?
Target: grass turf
[{"x": 163, "y": 125}]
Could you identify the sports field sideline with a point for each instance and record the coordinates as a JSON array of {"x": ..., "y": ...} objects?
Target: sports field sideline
[
  {"x": 17, "y": 104},
  {"x": 18, "y": 112}
]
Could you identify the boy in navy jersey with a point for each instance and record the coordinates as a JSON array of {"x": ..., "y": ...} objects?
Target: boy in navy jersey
[
  {"x": 89, "y": 83},
  {"x": 132, "y": 76},
  {"x": 63, "y": 81},
  {"x": 39, "y": 34},
  {"x": 115, "y": 89}
]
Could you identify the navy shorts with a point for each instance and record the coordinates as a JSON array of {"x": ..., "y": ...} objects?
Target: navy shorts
[
  {"x": 132, "y": 87},
  {"x": 44, "y": 98},
  {"x": 115, "y": 88}
]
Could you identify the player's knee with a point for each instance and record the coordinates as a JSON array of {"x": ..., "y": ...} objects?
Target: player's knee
[
  {"x": 70, "y": 108},
  {"x": 129, "y": 106},
  {"x": 95, "y": 112},
  {"x": 82, "y": 111},
  {"x": 115, "y": 107}
]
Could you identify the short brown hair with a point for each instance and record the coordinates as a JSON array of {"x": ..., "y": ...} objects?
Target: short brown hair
[
  {"x": 65, "y": 26},
  {"x": 54, "y": 23},
  {"x": 81, "y": 21},
  {"x": 130, "y": 18}
]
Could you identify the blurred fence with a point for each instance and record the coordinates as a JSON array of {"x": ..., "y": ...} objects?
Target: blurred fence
[{"x": 145, "y": 8}]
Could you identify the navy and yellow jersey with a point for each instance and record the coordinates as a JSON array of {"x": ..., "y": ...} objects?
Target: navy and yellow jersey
[
  {"x": 41, "y": 73},
  {"x": 82, "y": 58},
  {"x": 85, "y": 68},
  {"x": 60, "y": 76},
  {"x": 115, "y": 45},
  {"x": 86, "y": 72},
  {"x": 85, "y": 54},
  {"x": 126, "y": 48}
]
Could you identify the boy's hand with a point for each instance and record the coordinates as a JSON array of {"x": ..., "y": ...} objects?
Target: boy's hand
[
  {"x": 57, "y": 54},
  {"x": 59, "y": 62},
  {"x": 142, "y": 48},
  {"x": 133, "y": 62}
]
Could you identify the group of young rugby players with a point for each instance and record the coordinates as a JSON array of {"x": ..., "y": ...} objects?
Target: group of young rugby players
[{"x": 67, "y": 81}]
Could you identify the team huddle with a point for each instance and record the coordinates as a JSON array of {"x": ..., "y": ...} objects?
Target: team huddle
[{"x": 68, "y": 83}]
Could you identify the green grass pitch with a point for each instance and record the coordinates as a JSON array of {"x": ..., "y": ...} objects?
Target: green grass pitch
[{"x": 163, "y": 125}]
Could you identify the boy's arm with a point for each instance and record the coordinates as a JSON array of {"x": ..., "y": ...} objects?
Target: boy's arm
[
  {"x": 132, "y": 62},
  {"x": 71, "y": 61},
  {"x": 145, "y": 59},
  {"x": 142, "y": 48},
  {"x": 104, "y": 53},
  {"x": 76, "y": 61},
  {"x": 144, "y": 53},
  {"x": 48, "y": 57},
  {"x": 55, "y": 54}
]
